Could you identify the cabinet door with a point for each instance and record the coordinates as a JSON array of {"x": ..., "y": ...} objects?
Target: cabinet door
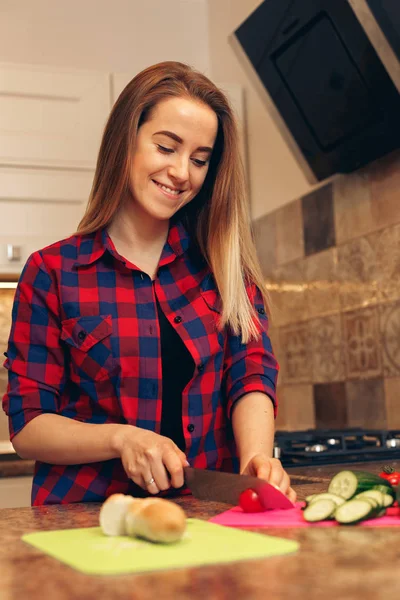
[
  {"x": 51, "y": 118},
  {"x": 38, "y": 207}
]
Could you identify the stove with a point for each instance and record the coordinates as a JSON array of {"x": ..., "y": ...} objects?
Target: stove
[{"x": 334, "y": 446}]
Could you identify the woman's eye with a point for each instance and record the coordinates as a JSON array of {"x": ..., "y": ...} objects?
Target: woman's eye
[
  {"x": 164, "y": 149},
  {"x": 199, "y": 163}
]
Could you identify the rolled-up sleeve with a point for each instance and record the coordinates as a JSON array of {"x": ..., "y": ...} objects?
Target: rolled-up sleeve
[
  {"x": 35, "y": 360},
  {"x": 250, "y": 367}
]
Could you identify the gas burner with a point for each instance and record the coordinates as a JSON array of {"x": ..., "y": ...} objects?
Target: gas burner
[
  {"x": 316, "y": 448},
  {"x": 333, "y": 446}
]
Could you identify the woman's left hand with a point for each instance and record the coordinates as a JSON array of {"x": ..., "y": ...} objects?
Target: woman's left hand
[{"x": 270, "y": 469}]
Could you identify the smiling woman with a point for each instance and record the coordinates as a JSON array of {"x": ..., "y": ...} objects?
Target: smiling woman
[{"x": 140, "y": 344}]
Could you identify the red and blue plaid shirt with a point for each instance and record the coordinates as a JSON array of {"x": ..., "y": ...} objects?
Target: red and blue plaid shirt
[{"x": 85, "y": 344}]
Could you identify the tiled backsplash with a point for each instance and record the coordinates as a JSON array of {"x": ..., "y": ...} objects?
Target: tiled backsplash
[{"x": 332, "y": 264}]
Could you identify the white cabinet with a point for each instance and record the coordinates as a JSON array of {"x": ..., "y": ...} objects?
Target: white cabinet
[
  {"x": 51, "y": 123},
  {"x": 51, "y": 117},
  {"x": 37, "y": 208}
]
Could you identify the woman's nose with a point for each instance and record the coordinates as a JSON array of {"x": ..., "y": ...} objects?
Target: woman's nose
[{"x": 179, "y": 171}]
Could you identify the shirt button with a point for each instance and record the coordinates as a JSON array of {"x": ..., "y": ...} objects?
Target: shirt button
[
  {"x": 81, "y": 335},
  {"x": 178, "y": 319},
  {"x": 190, "y": 428},
  {"x": 200, "y": 368},
  {"x": 261, "y": 311}
]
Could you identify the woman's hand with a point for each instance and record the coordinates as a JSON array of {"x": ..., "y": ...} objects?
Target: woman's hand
[
  {"x": 271, "y": 470},
  {"x": 152, "y": 461}
]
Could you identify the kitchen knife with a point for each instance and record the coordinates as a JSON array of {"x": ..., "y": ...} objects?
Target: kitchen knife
[{"x": 227, "y": 487}]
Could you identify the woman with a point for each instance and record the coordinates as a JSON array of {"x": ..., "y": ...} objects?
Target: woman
[{"x": 139, "y": 345}]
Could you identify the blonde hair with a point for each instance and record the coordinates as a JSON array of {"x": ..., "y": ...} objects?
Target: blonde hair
[{"x": 217, "y": 218}]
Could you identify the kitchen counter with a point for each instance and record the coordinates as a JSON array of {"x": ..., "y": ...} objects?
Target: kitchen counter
[{"x": 342, "y": 562}]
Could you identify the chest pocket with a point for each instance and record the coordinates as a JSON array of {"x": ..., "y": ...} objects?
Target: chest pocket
[{"x": 89, "y": 343}]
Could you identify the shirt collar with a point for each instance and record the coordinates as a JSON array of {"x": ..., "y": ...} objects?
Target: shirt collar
[{"x": 92, "y": 247}]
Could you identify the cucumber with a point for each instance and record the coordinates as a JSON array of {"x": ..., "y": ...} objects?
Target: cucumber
[
  {"x": 349, "y": 483},
  {"x": 387, "y": 500},
  {"x": 354, "y": 511},
  {"x": 319, "y": 510},
  {"x": 385, "y": 489},
  {"x": 374, "y": 494},
  {"x": 338, "y": 500}
]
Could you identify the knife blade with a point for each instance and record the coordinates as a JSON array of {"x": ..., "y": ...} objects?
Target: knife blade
[{"x": 223, "y": 487}]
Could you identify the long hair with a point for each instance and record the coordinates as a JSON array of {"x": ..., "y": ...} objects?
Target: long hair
[{"x": 218, "y": 217}]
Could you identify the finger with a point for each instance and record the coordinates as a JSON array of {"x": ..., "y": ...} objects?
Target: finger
[
  {"x": 277, "y": 473},
  {"x": 174, "y": 467},
  {"x": 291, "y": 494},
  {"x": 132, "y": 470},
  {"x": 160, "y": 474},
  {"x": 285, "y": 483},
  {"x": 150, "y": 482},
  {"x": 262, "y": 467}
]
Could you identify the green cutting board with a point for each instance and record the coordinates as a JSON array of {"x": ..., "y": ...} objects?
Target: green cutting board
[{"x": 90, "y": 551}]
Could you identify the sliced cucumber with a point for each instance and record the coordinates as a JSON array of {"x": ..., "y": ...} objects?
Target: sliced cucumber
[
  {"x": 338, "y": 500},
  {"x": 385, "y": 489},
  {"x": 354, "y": 511},
  {"x": 388, "y": 500},
  {"x": 309, "y": 498},
  {"x": 319, "y": 510},
  {"x": 375, "y": 494},
  {"x": 349, "y": 483}
]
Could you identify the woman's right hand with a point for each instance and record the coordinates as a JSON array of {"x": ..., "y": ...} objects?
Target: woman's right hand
[{"x": 152, "y": 461}]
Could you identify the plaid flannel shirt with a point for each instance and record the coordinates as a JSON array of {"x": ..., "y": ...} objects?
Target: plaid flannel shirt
[{"x": 85, "y": 344}]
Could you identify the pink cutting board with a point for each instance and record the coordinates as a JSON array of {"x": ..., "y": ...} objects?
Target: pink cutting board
[{"x": 292, "y": 517}]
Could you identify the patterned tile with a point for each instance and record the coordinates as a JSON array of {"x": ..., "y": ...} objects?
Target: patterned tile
[
  {"x": 287, "y": 290},
  {"x": 358, "y": 273},
  {"x": 318, "y": 220},
  {"x": 361, "y": 343},
  {"x": 389, "y": 325},
  {"x": 322, "y": 283},
  {"x": 352, "y": 206},
  {"x": 392, "y": 402},
  {"x": 327, "y": 349},
  {"x": 384, "y": 177},
  {"x": 296, "y": 353},
  {"x": 387, "y": 244},
  {"x": 289, "y": 233},
  {"x": 330, "y": 405},
  {"x": 298, "y": 407},
  {"x": 265, "y": 240},
  {"x": 366, "y": 403}
]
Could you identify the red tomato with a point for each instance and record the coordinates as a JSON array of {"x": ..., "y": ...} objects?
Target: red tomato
[
  {"x": 249, "y": 502},
  {"x": 394, "y": 479},
  {"x": 393, "y": 511}
]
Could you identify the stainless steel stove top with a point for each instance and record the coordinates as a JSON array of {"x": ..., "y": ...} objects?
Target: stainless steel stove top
[{"x": 334, "y": 446}]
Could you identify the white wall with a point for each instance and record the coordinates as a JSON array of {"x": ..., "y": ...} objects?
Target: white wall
[
  {"x": 275, "y": 177},
  {"x": 110, "y": 35}
]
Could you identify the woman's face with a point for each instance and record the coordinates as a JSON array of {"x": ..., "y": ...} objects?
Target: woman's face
[{"x": 171, "y": 156}]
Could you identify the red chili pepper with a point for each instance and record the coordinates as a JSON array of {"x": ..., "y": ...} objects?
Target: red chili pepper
[{"x": 249, "y": 502}]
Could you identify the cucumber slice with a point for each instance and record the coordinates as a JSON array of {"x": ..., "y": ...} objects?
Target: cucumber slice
[
  {"x": 354, "y": 511},
  {"x": 349, "y": 483},
  {"x": 319, "y": 510},
  {"x": 385, "y": 489},
  {"x": 309, "y": 498},
  {"x": 338, "y": 500},
  {"x": 387, "y": 500},
  {"x": 375, "y": 494}
]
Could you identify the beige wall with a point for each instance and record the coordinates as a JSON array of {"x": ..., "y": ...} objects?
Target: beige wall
[
  {"x": 117, "y": 35},
  {"x": 275, "y": 177}
]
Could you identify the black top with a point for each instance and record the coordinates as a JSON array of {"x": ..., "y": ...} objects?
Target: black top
[{"x": 177, "y": 370}]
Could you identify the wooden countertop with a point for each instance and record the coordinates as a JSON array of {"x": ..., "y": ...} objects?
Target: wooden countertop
[{"x": 342, "y": 562}]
